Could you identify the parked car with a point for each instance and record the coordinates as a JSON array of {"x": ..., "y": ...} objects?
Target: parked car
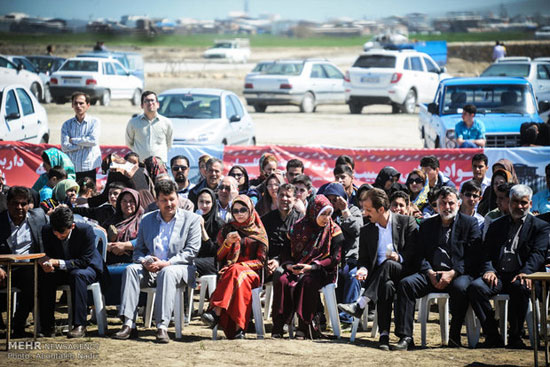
[
  {"x": 234, "y": 50},
  {"x": 11, "y": 73},
  {"x": 304, "y": 83},
  {"x": 46, "y": 65},
  {"x": 542, "y": 33},
  {"x": 102, "y": 78},
  {"x": 132, "y": 61},
  {"x": 536, "y": 71},
  {"x": 400, "y": 78},
  {"x": 503, "y": 104},
  {"x": 207, "y": 116},
  {"x": 22, "y": 118}
]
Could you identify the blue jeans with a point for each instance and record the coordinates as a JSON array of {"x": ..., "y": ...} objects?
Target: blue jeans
[
  {"x": 351, "y": 289},
  {"x": 468, "y": 144}
]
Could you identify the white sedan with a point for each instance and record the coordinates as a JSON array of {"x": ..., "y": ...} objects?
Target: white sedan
[
  {"x": 10, "y": 73},
  {"x": 207, "y": 116},
  {"x": 22, "y": 118}
]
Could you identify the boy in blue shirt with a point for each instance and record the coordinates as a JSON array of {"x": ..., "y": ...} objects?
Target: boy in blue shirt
[{"x": 470, "y": 132}]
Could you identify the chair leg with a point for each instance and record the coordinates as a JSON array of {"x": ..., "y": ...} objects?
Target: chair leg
[
  {"x": 149, "y": 308},
  {"x": 504, "y": 320},
  {"x": 100, "y": 313},
  {"x": 257, "y": 311},
  {"x": 423, "y": 318},
  {"x": 443, "y": 305},
  {"x": 268, "y": 300},
  {"x": 178, "y": 312},
  {"x": 69, "y": 307},
  {"x": 202, "y": 297},
  {"x": 332, "y": 308},
  {"x": 472, "y": 327}
]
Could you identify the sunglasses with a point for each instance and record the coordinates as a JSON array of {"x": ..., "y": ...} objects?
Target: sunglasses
[
  {"x": 239, "y": 211},
  {"x": 224, "y": 188},
  {"x": 415, "y": 181},
  {"x": 237, "y": 175},
  {"x": 471, "y": 195},
  {"x": 179, "y": 168}
]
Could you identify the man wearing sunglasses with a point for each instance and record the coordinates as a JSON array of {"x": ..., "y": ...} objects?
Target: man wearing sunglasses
[
  {"x": 470, "y": 195},
  {"x": 180, "y": 170}
]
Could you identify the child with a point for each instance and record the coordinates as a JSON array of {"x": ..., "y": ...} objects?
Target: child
[{"x": 55, "y": 175}]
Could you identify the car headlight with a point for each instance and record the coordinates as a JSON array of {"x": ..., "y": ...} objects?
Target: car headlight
[{"x": 450, "y": 141}]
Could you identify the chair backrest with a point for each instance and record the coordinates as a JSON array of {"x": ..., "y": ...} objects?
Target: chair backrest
[{"x": 101, "y": 236}]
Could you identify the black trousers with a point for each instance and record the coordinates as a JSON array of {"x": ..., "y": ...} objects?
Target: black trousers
[
  {"x": 381, "y": 287},
  {"x": 78, "y": 280},
  {"x": 22, "y": 278},
  {"x": 91, "y": 174},
  {"x": 480, "y": 293},
  {"x": 417, "y": 286}
]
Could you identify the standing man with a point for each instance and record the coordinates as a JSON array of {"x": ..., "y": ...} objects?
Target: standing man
[
  {"x": 386, "y": 249},
  {"x": 168, "y": 240},
  {"x": 149, "y": 134},
  {"x": 180, "y": 170},
  {"x": 470, "y": 132},
  {"x": 80, "y": 138},
  {"x": 20, "y": 233}
]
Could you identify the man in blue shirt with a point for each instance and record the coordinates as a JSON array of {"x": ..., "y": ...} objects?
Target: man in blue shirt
[
  {"x": 470, "y": 132},
  {"x": 541, "y": 201}
]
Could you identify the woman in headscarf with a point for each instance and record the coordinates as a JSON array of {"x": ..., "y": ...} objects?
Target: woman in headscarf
[
  {"x": 51, "y": 158},
  {"x": 418, "y": 188},
  {"x": 155, "y": 166},
  {"x": 386, "y": 178},
  {"x": 502, "y": 168},
  {"x": 268, "y": 201},
  {"x": 241, "y": 175},
  {"x": 309, "y": 264},
  {"x": 211, "y": 224},
  {"x": 242, "y": 253},
  {"x": 65, "y": 192},
  {"x": 268, "y": 165}
]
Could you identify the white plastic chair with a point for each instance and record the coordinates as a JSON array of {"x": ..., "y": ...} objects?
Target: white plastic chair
[
  {"x": 364, "y": 320},
  {"x": 424, "y": 310},
  {"x": 268, "y": 301},
  {"x": 206, "y": 282},
  {"x": 178, "y": 305}
]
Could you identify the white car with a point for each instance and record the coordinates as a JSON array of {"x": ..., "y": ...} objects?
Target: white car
[
  {"x": 101, "y": 78},
  {"x": 236, "y": 50},
  {"x": 304, "y": 83},
  {"x": 542, "y": 33},
  {"x": 22, "y": 118},
  {"x": 207, "y": 116},
  {"x": 400, "y": 78},
  {"x": 10, "y": 73},
  {"x": 260, "y": 67}
]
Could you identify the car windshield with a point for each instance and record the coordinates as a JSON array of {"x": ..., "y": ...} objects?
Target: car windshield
[
  {"x": 375, "y": 61},
  {"x": 505, "y": 69},
  {"x": 489, "y": 99},
  {"x": 262, "y": 67},
  {"x": 285, "y": 68},
  {"x": 222, "y": 45},
  {"x": 80, "y": 65},
  {"x": 190, "y": 106}
]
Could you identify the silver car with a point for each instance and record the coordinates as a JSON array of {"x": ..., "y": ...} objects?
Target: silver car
[{"x": 207, "y": 116}]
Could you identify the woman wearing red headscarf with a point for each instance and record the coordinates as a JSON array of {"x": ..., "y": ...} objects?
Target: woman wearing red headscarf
[
  {"x": 310, "y": 263},
  {"x": 241, "y": 254}
]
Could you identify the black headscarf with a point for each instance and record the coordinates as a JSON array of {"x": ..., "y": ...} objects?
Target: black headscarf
[
  {"x": 212, "y": 223},
  {"x": 243, "y": 189},
  {"x": 387, "y": 173}
]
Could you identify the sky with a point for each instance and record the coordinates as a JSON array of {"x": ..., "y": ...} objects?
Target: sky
[{"x": 318, "y": 10}]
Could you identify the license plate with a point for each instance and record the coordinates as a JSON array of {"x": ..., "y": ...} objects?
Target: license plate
[
  {"x": 72, "y": 81},
  {"x": 264, "y": 95},
  {"x": 370, "y": 79}
]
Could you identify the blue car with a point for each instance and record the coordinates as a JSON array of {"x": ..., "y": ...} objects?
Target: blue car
[{"x": 503, "y": 104}]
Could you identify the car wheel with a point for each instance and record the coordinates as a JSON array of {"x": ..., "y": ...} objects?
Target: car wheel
[
  {"x": 47, "y": 94},
  {"x": 308, "y": 103},
  {"x": 395, "y": 108},
  {"x": 136, "y": 98},
  {"x": 260, "y": 107},
  {"x": 105, "y": 98},
  {"x": 35, "y": 90},
  {"x": 45, "y": 139},
  {"x": 355, "y": 108},
  {"x": 410, "y": 102}
]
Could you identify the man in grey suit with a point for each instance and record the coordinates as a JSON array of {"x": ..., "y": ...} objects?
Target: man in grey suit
[{"x": 168, "y": 241}]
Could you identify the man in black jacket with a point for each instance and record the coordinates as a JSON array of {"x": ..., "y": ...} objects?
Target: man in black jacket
[
  {"x": 20, "y": 233},
  {"x": 386, "y": 249},
  {"x": 71, "y": 258},
  {"x": 447, "y": 242},
  {"x": 515, "y": 246}
]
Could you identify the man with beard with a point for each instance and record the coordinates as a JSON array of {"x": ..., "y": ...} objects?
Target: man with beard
[
  {"x": 180, "y": 170},
  {"x": 214, "y": 174},
  {"x": 445, "y": 245},
  {"x": 514, "y": 247}
]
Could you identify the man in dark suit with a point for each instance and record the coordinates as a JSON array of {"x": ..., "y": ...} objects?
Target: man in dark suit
[
  {"x": 447, "y": 245},
  {"x": 515, "y": 245},
  {"x": 71, "y": 258},
  {"x": 386, "y": 246},
  {"x": 20, "y": 233}
]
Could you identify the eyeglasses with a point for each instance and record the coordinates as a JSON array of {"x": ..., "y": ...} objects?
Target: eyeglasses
[
  {"x": 415, "y": 181},
  {"x": 180, "y": 168},
  {"x": 237, "y": 175},
  {"x": 224, "y": 188},
  {"x": 239, "y": 211},
  {"x": 149, "y": 101},
  {"x": 471, "y": 195}
]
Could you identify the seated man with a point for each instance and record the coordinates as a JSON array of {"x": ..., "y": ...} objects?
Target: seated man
[
  {"x": 168, "y": 241},
  {"x": 470, "y": 195},
  {"x": 386, "y": 250},
  {"x": 71, "y": 258},
  {"x": 515, "y": 246},
  {"x": 470, "y": 132},
  {"x": 20, "y": 233},
  {"x": 445, "y": 246}
]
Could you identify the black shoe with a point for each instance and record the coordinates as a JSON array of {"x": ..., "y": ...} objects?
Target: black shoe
[
  {"x": 351, "y": 309},
  {"x": 125, "y": 333},
  {"x": 491, "y": 342},
  {"x": 77, "y": 332},
  {"x": 454, "y": 342},
  {"x": 516, "y": 343},
  {"x": 276, "y": 336},
  {"x": 239, "y": 335},
  {"x": 405, "y": 343},
  {"x": 210, "y": 318},
  {"x": 384, "y": 342}
]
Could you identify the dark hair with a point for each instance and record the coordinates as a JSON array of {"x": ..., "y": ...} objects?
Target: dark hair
[
  {"x": 146, "y": 93},
  {"x": 16, "y": 191},
  {"x": 343, "y": 168},
  {"x": 86, "y": 183},
  {"x": 117, "y": 185},
  {"x": 175, "y": 158},
  {"x": 470, "y": 186},
  {"x": 165, "y": 187},
  {"x": 295, "y": 163},
  {"x": 378, "y": 198},
  {"x": 445, "y": 191},
  {"x": 132, "y": 154},
  {"x": 78, "y": 94},
  {"x": 285, "y": 187},
  {"x": 61, "y": 218},
  {"x": 302, "y": 179},
  {"x": 480, "y": 157},
  {"x": 345, "y": 159},
  {"x": 470, "y": 108},
  {"x": 505, "y": 188},
  {"x": 429, "y": 161},
  {"x": 245, "y": 185},
  {"x": 400, "y": 194},
  {"x": 211, "y": 161},
  {"x": 45, "y": 158},
  {"x": 57, "y": 172}
]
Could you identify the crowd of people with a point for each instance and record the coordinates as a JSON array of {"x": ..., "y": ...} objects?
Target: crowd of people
[{"x": 384, "y": 244}]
